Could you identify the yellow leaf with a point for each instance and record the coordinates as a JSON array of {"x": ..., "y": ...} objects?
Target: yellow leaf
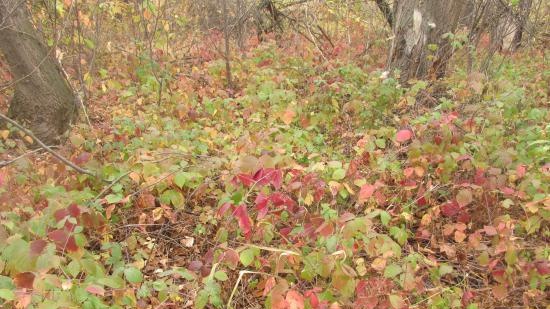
[
  {"x": 5, "y": 134},
  {"x": 379, "y": 264},
  {"x": 29, "y": 139}
]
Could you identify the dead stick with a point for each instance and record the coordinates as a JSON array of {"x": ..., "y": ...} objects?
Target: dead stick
[{"x": 48, "y": 149}]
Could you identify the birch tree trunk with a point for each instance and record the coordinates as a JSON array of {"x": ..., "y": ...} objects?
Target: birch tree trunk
[
  {"x": 43, "y": 100},
  {"x": 418, "y": 49}
]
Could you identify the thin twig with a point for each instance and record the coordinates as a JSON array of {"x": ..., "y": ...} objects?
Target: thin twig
[
  {"x": 47, "y": 148},
  {"x": 8, "y": 162}
]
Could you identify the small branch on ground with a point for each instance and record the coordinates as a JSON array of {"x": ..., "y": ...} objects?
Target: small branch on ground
[{"x": 47, "y": 148}]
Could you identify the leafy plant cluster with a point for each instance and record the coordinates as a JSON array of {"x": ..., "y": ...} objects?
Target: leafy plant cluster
[{"x": 318, "y": 185}]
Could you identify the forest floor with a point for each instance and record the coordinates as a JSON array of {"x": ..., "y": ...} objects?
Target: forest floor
[{"x": 317, "y": 183}]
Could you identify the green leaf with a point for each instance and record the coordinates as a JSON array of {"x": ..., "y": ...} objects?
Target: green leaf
[
  {"x": 180, "y": 179},
  {"x": 339, "y": 174},
  {"x": 133, "y": 275},
  {"x": 7, "y": 294},
  {"x": 201, "y": 300},
  {"x": 172, "y": 196},
  {"x": 247, "y": 257},
  {"x": 399, "y": 234},
  {"x": 385, "y": 217},
  {"x": 220, "y": 275},
  {"x": 392, "y": 271},
  {"x": 114, "y": 198}
]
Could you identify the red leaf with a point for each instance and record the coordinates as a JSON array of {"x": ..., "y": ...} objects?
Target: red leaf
[
  {"x": 24, "y": 280},
  {"x": 450, "y": 209},
  {"x": 281, "y": 199},
  {"x": 521, "y": 170},
  {"x": 311, "y": 295},
  {"x": 223, "y": 209},
  {"x": 74, "y": 210},
  {"x": 295, "y": 300},
  {"x": 61, "y": 214},
  {"x": 467, "y": 297},
  {"x": 82, "y": 158},
  {"x": 366, "y": 192},
  {"x": 96, "y": 289},
  {"x": 261, "y": 205},
  {"x": 63, "y": 240},
  {"x": 37, "y": 246},
  {"x": 246, "y": 180},
  {"x": 508, "y": 191},
  {"x": 543, "y": 267},
  {"x": 403, "y": 135},
  {"x": 245, "y": 223}
]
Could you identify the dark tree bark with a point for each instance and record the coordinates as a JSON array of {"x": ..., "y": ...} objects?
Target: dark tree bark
[
  {"x": 419, "y": 25},
  {"x": 521, "y": 22},
  {"x": 43, "y": 99},
  {"x": 385, "y": 8}
]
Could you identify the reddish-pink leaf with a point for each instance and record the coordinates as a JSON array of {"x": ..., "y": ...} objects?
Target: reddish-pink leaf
[
  {"x": 311, "y": 296},
  {"x": 521, "y": 170},
  {"x": 245, "y": 223},
  {"x": 195, "y": 265},
  {"x": 508, "y": 191},
  {"x": 261, "y": 205},
  {"x": 74, "y": 210},
  {"x": 61, "y": 214},
  {"x": 366, "y": 192},
  {"x": 246, "y": 180},
  {"x": 63, "y": 240},
  {"x": 82, "y": 158},
  {"x": 467, "y": 297},
  {"x": 223, "y": 209},
  {"x": 24, "y": 280},
  {"x": 37, "y": 246},
  {"x": 95, "y": 289},
  {"x": 281, "y": 199},
  {"x": 450, "y": 209},
  {"x": 295, "y": 300},
  {"x": 543, "y": 267},
  {"x": 403, "y": 135}
]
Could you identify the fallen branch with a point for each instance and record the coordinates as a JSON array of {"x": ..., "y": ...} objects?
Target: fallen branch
[{"x": 47, "y": 148}]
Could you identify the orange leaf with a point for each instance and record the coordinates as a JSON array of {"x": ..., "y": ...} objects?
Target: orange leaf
[
  {"x": 295, "y": 300},
  {"x": 366, "y": 192}
]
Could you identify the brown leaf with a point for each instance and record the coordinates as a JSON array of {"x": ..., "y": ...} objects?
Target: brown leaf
[
  {"x": 464, "y": 197},
  {"x": 24, "y": 280}
]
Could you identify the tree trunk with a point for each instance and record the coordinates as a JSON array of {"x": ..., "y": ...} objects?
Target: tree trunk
[
  {"x": 419, "y": 49},
  {"x": 385, "y": 8},
  {"x": 521, "y": 22},
  {"x": 43, "y": 100}
]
